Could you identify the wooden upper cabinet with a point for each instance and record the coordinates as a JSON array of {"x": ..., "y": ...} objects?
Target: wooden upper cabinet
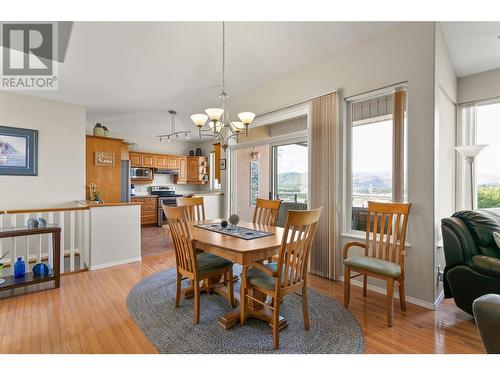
[
  {"x": 148, "y": 160},
  {"x": 193, "y": 169},
  {"x": 135, "y": 159},
  {"x": 182, "y": 176},
  {"x": 124, "y": 153},
  {"x": 173, "y": 162},
  {"x": 161, "y": 161}
]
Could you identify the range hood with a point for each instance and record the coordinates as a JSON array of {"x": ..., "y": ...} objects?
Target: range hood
[{"x": 166, "y": 171}]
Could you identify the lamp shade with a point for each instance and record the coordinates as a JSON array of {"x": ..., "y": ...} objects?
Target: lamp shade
[
  {"x": 469, "y": 151},
  {"x": 199, "y": 119},
  {"x": 246, "y": 117},
  {"x": 237, "y": 126},
  {"x": 214, "y": 113}
]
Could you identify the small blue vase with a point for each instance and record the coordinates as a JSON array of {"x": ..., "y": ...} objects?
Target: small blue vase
[{"x": 19, "y": 268}]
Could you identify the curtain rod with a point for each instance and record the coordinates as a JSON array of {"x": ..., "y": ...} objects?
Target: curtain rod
[
  {"x": 479, "y": 101},
  {"x": 294, "y": 104},
  {"x": 377, "y": 89}
]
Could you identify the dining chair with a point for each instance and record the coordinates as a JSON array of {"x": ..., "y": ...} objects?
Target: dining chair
[
  {"x": 385, "y": 235},
  {"x": 288, "y": 275},
  {"x": 266, "y": 212},
  {"x": 196, "y": 267},
  {"x": 195, "y": 207}
]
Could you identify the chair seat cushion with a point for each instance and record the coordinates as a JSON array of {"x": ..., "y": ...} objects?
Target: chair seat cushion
[
  {"x": 375, "y": 265},
  {"x": 261, "y": 279},
  {"x": 486, "y": 265},
  {"x": 208, "y": 263}
]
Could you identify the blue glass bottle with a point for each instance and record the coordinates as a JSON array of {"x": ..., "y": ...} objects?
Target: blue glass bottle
[{"x": 19, "y": 267}]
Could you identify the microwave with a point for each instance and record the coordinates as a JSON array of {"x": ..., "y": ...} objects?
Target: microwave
[{"x": 141, "y": 173}]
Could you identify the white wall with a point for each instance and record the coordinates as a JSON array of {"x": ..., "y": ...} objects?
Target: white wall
[
  {"x": 402, "y": 53},
  {"x": 481, "y": 86},
  {"x": 61, "y": 152},
  {"x": 445, "y": 125}
]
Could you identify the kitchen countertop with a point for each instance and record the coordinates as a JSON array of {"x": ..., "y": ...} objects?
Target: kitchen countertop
[
  {"x": 205, "y": 193},
  {"x": 91, "y": 204},
  {"x": 143, "y": 196}
]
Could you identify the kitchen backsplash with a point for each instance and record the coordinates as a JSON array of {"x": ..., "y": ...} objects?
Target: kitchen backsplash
[{"x": 166, "y": 180}]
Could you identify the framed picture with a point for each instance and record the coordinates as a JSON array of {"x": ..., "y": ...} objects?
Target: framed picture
[
  {"x": 254, "y": 182},
  {"x": 106, "y": 159},
  {"x": 18, "y": 151},
  {"x": 222, "y": 164}
]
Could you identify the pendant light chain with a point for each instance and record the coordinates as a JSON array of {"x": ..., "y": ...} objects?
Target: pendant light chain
[
  {"x": 223, "y": 57},
  {"x": 219, "y": 118}
]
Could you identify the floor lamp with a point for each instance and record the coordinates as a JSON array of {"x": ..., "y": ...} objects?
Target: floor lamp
[{"x": 469, "y": 152}]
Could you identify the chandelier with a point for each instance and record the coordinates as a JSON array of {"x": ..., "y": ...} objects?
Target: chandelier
[
  {"x": 173, "y": 133},
  {"x": 220, "y": 126}
]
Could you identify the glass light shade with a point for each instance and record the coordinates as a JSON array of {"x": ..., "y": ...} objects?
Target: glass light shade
[
  {"x": 470, "y": 151},
  {"x": 218, "y": 126},
  {"x": 238, "y": 126},
  {"x": 246, "y": 117},
  {"x": 214, "y": 113},
  {"x": 199, "y": 119}
]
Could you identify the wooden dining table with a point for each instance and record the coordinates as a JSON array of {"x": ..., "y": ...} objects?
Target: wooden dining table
[{"x": 244, "y": 252}]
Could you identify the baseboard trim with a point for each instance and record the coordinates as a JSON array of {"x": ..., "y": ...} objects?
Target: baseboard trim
[
  {"x": 414, "y": 301},
  {"x": 117, "y": 263}
]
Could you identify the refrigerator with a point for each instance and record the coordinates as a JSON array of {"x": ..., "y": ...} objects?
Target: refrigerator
[{"x": 125, "y": 181}]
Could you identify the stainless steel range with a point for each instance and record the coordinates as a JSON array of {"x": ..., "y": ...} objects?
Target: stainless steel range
[{"x": 166, "y": 196}]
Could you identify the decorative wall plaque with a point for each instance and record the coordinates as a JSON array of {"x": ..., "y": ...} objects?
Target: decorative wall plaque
[{"x": 106, "y": 159}]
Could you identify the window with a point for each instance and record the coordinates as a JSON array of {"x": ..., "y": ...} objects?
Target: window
[
  {"x": 488, "y": 161},
  {"x": 290, "y": 177},
  {"x": 214, "y": 183},
  {"x": 377, "y": 153}
]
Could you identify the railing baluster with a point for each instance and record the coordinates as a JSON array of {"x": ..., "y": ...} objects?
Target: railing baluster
[
  {"x": 72, "y": 241},
  {"x": 13, "y": 255},
  {"x": 86, "y": 240},
  {"x": 39, "y": 252},
  {"x": 50, "y": 220},
  {"x": 61, "y": 224},
  {"x": 27, "y": 243}
]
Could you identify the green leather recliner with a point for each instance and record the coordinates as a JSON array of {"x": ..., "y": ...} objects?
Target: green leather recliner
[{"x": 472, "y": 256}]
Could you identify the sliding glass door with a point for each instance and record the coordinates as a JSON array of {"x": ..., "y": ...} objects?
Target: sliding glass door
[{"x": 290, "y": 172}]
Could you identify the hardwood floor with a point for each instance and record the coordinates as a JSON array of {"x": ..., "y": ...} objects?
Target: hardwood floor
[{"x": 88, "y": 314}]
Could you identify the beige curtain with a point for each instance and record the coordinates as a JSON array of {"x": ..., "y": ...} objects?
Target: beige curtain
[
  {"x": 398, "y": 113},
  {"x": 323, "y": 122}
]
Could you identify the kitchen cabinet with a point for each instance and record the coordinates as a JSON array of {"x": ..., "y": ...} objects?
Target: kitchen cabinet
[
  {"x": 173, "y": 162},
  {"x": 161, "y": 161},
  {"x": 124, "y": 153},
  {"x": 135, "y": 159},
  {"x": 192, "y": 170},
  {"x": 149, "y": 209},
  {"x": 106, "y": 177},
  {"x": 181, "y": 178},
  {"x": 148, "y": 160}
]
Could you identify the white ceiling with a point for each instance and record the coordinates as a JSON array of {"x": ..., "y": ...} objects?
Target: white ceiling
[
  {"x": 474, "y": 46},
  {"x": 129, "y": 74}
]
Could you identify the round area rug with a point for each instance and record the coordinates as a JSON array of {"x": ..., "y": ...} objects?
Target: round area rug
[{"x": 151, "y": 304}]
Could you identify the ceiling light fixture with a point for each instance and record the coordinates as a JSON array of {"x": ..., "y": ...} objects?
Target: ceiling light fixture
[
  {"x": 172, "y": 129},
  {"x": 220, "y": 125}
]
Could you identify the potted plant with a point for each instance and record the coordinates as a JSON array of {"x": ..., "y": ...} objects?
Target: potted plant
[{"x": 98, "y": 130}]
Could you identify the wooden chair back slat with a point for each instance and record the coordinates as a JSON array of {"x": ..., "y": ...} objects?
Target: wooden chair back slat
[
  {"x": 297, "y": 241},
  {"x": 185, "y": 255},
  {"x": 266, "y": 212},
  {"x": 195, "y": 208},
  {"x": 388, "y": 231}
]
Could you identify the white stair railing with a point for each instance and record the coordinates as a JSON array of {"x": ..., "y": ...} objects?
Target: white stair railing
[{"x": 34, "y": 249}]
